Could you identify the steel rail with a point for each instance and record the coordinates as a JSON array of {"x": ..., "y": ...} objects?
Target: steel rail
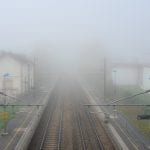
[
  {"x": 60, "y": 127},
  {"x": 77, "y": 118},
  {"x": 92, "y": 125},
  {"x": 127, "y": 105},
  {"x": 81, "y": 132},
  {"x": 92, "y": 122},
  {"x": 60, "y": 131},
  {"x": 45, "y": 131}
]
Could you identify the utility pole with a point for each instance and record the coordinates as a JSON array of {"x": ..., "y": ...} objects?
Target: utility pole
[
  {"x": 5, "y": 113},
  {"x": 34, "y": 78},
  {"x": 104, "y": 94},
  {"x": 34, "y": 70}
]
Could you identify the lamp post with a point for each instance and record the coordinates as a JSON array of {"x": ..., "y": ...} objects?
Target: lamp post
[
  {"x": 115, "y": 92},
  {"x": 115, "y": 83}
]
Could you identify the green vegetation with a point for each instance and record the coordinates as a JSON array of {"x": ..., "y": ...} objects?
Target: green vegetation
[
  {"x": 7, "y": 114},
  {"x": 132, "y": 112},
  {"x": 125, "y": 91}
]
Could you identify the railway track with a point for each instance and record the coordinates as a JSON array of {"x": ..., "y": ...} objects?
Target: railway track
[
  {"x": 95, "y": 131},
  {"x": 52, "y": 138},
  {"x": 66, "y": 124},
  {"x": 84, "y": 145},
  {"x": 102, "y": 140},
  {"x": 87, "y": 126},
  {"x": 38, "y": 137}
]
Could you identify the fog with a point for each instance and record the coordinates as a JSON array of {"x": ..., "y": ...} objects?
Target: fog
[
  {"x": 64, "y": 55},
  {"x": 73, "y": 32}
]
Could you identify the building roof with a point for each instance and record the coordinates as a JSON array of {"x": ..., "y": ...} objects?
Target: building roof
[
  {"x": 130, "y": 65},
  {"x": 18, "y": 57}
]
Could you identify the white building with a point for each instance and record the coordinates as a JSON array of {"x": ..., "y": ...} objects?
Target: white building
[
  {"x": 146, "y": 77},
  {"x": 16, "y": 73},
  {"x": 127, "y": 74},
  {"x": 131, "y": 74}
]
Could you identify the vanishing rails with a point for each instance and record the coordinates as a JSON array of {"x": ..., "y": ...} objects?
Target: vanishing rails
[{"x": 67, "y": 124}]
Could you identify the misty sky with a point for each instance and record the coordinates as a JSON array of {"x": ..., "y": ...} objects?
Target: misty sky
[{"x": 120, "y": 26}]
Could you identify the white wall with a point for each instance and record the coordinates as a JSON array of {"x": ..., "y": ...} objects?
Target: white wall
[
  {"x": 9, "y": 65},
  {"x": 146, "y": 78},
  {"x": 18, "y": 72},
  {"x": 125, "y": 76}
]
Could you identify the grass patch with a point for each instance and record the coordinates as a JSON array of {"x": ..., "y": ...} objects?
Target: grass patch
[
  {"x": 11, "y": 114},
  {"x": 132, "y": 112}
]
